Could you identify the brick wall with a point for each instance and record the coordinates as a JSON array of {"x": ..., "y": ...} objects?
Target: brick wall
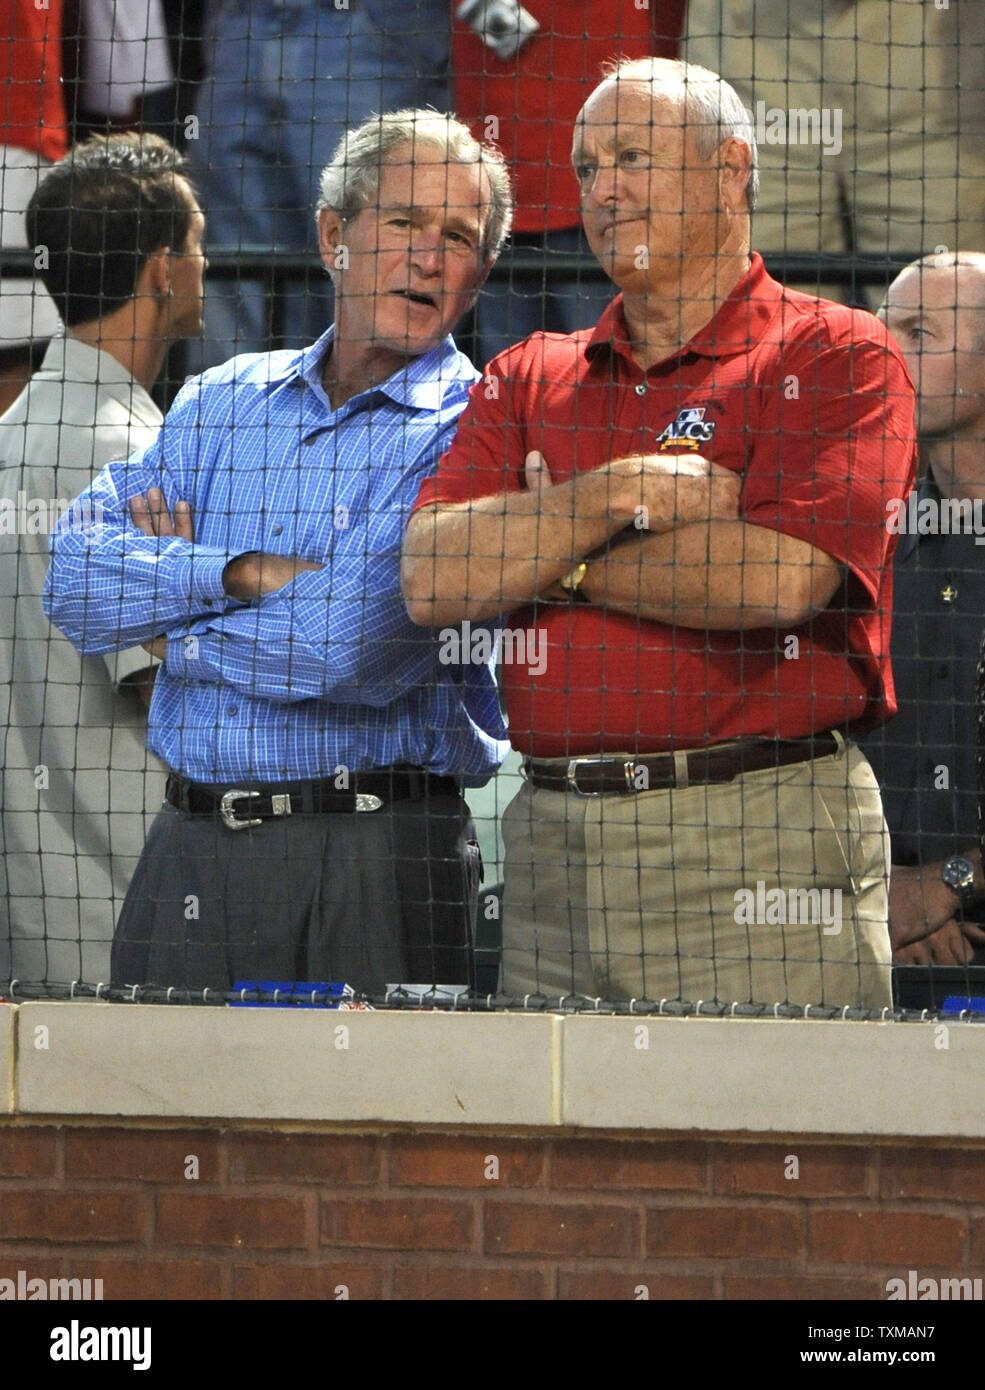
[{"x": 278, "y": 1214}]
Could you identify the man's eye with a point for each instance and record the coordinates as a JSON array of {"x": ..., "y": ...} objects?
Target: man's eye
[
  {"x": 633, "y": 157},
  {"x": 584, "y": 171},
  {"x": 459, "y": 238}
]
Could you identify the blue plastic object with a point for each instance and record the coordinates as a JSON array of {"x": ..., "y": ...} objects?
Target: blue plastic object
[{"x": 301, "y": 990}]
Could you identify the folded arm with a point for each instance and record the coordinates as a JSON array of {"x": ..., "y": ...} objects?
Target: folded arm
[
  {"x": 347, "y": 641},
  {"x": 477, "y": 559},
  {"x": 112, "y": 584},
  {"x": 714, "y": 574},
  {"x": 306, "y": 633}
]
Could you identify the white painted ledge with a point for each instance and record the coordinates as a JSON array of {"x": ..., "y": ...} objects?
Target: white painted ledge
[
  {"x": 790, "y": 1076},
  {"x": 517, "y": 1070},
  {"x": 8, "y": 1023}
]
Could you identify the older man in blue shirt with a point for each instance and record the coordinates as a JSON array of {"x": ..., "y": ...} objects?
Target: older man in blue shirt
[{"x": 314, "y": 826}]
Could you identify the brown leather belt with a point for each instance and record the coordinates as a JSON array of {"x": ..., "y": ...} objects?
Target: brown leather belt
[
  {"x": 239, "y": 807},
  {"x": 722, "y": 762}
]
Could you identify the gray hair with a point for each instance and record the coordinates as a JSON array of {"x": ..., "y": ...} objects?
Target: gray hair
[
  {"x": 713, "y": 110},
  {"x": 351, "y": 180}
]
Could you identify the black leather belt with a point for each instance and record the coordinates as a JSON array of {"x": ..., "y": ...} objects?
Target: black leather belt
[
  {"x": 722, "y": 762},
  {"x": 239, "y": 807}
]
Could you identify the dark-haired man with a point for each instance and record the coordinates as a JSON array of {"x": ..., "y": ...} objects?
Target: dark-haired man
[
  {"x": 315, "y": 827},
  {"x": 121, "y": 236}
]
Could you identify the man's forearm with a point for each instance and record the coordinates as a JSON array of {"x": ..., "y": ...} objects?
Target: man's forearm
[
  {"x": 920, "y": 901},
  {"x": 128, "y": 587},
  {"x": 728, "y": 575},
  {"x": 477, "y": 559}
]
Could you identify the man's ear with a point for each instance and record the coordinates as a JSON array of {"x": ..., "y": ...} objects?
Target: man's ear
[
  {"x": 330, "y": 236},
  {"x": 735, "y": 171},
  {"x": 154, "y": 278}
]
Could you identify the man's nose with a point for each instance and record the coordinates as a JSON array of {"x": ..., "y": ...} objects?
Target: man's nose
[
  {"x": 425, "y": 252},
  {"x": 604, "y": 185}
]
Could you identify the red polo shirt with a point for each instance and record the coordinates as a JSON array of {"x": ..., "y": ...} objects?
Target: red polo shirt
[{"x": 811, "y": 403}]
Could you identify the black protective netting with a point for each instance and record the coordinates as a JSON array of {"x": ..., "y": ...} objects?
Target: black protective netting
[{"x": 667, "y": 612}]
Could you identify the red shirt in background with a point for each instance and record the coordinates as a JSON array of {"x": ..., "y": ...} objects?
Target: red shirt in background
[
  {"x": 811, "y": 402},
  {"x": 32, "y": 105},
  {"x": 536, "y": 95}
]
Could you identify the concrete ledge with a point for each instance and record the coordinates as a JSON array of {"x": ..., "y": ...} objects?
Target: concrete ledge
[
  {"x": 8, "y": 1021},
  {"x": 780, "y": 1076},
  {"x": 432, "y": 1068},
  {"x": 505, "y": 1070}
]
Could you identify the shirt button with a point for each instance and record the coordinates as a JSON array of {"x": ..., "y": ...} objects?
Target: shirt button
[
  {"x": 641, "y": 389},
  {"x": 208, "y": 602},
  {"x": 233, "y": 710},
  {"x": 278, "y": 530}
]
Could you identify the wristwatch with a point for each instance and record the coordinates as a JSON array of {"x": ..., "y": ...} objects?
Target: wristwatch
[
  {"x": 959, "y": 873},
  {"x": 571, "y": 581}
]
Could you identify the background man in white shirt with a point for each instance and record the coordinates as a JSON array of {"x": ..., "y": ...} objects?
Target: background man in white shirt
[{"x": 122, "y": 234}]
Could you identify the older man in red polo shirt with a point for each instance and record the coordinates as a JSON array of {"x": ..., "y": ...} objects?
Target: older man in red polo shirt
[{"x": 688, "y": 505}]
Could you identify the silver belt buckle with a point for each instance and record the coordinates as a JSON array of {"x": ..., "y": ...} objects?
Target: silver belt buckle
[
  {"x": 366, "y": 801},
  {"x": 228, "y": 813},
  {"x": 573, "y": 764},
  {"x": 628, "y": 767}
]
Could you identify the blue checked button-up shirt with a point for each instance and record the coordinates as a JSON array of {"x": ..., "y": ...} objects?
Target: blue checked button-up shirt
[{"x": 327, "y": 671}]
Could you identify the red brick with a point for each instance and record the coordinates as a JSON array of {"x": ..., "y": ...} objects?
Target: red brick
[
  {"x": 321, "y": 1282},
  {"x": 618, "y": 1286},
  {"x": 261, "y": 1223},
  {"x": 146, "y": 1155},
  {"x": 798, "y": 1288},
  {"x": 398, "y": 1223},
  {"x": 919, "y": 1240},
  {"x": 45, "y": 1267},
  {"x": 978, "y": 1244},
  {"x": 27, "y": 1153},
  {"x": 425, "y": 1160},
  {"x": 72, "y": 1216},
  {"x": 561, "y": 1228},
  {"x": 823, "y": 1170},
  {"x": 474, "y": 1283},
  {"x": 597, "y": 1164},
  {"x": 343, "y": 1159},
  {"x": 955, "y": 1173},
  {"x": 131, "y": 1280},
  {"x": 746, "y": 1232}
]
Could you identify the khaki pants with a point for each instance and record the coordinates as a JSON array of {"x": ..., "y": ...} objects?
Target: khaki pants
[
  {"x": 904, "y": 82},
  {"x": 704, "y": 892}
]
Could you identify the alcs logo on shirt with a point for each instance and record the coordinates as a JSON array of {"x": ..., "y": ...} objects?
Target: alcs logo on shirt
[{"x": 688, "y": 430}]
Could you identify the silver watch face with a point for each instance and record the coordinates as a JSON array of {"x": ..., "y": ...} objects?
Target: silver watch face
[{"x": 958, "y": 873}]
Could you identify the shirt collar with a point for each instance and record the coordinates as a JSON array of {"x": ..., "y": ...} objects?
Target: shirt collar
[
  {"x": 420, "y": 385},
  {"x": 739, "y": 323},
  {"x": 70, "y": 360}
]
